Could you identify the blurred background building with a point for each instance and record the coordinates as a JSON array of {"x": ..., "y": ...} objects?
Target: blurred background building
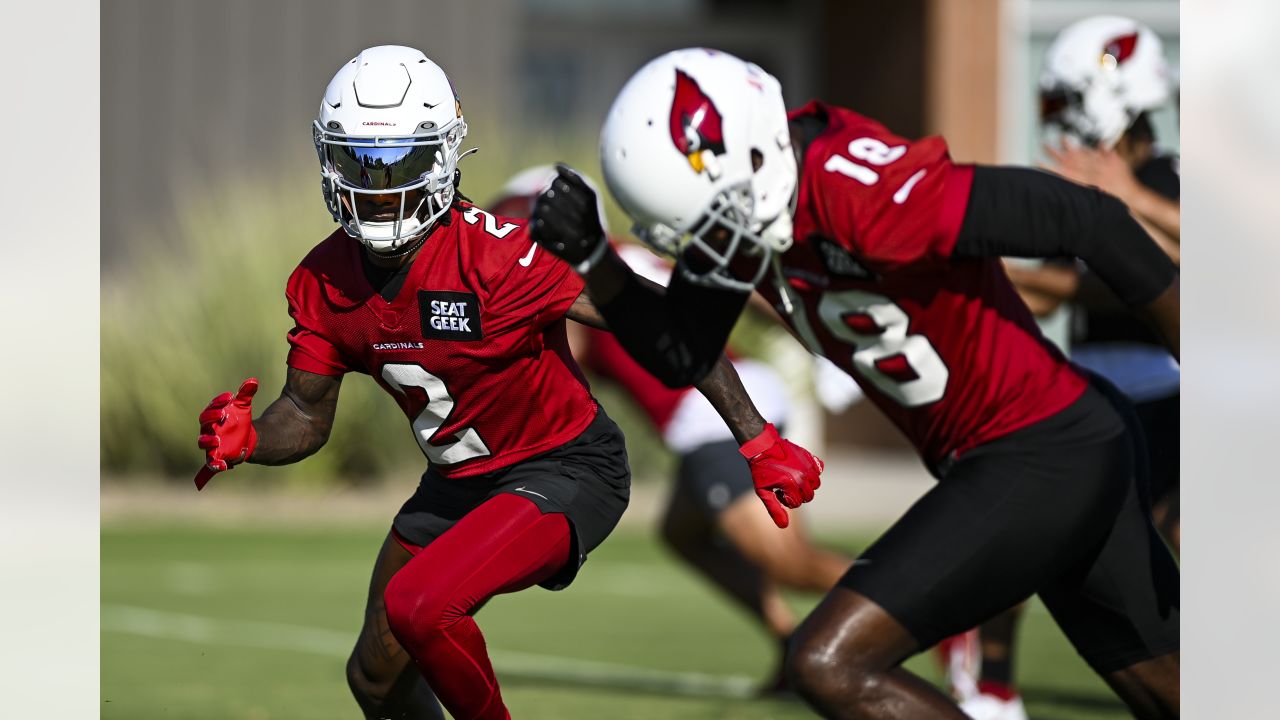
[{"x": 204, "y": 98}]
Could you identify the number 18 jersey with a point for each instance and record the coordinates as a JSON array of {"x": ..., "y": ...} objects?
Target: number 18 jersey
[
  {"x": 944, "y": 346},
  {"x": 472, "y": 347}
]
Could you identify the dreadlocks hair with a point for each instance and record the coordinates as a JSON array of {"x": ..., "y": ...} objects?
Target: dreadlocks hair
[{"x": 457, "y": 189}]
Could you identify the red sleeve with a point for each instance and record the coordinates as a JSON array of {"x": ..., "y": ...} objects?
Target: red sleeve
[
  {"x": 562, "y": 285},
  {"x": 897, "y": 201},
  {"x": 309, "y": 350}
]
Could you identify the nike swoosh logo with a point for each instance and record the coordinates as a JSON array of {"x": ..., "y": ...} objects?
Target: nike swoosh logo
[
  {"x": 530, "y": 492},
  {"x": 528, "y": 258},
  {"x": 901, "y": 196}
]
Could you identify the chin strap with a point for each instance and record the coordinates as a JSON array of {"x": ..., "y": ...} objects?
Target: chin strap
[{"x": 405, "y": 249}]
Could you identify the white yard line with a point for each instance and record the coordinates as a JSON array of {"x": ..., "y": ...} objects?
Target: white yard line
[
  {"x": 216, "y": 631},
  {"x": 200, "y": 629}
]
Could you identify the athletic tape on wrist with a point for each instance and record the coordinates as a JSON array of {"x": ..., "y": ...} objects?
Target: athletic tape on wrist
[{"x": 584, "y": 267}]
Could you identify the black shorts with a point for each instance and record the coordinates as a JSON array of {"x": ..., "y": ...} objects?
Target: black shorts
[
  {"x": 713, "y": 476},
  {"x": 587, "y": 479},
  {"x": 1057, "y": 508},
  {"x": 1161, "y": 425}
]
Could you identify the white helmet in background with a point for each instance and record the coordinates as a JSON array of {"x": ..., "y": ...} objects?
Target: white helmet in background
[
  {"x": 1099, "y": 75},
  {"x": 388, "y": 134},
  {"x": 699, "y": 139}
]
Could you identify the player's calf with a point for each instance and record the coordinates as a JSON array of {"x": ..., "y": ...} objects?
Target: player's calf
[
  {"x": 1151, "y": 688},
  {"x": 432, "y": 623},
  {"x": 383, "y": 680},
  {"x": 504, "y": 545},
  {"x": 369, "y": 690},
  {"x": 384, "y": 694}
]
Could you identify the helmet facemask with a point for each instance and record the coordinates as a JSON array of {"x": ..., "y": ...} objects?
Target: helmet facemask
[
  {"x": 1089, "y": 117},
  {"x": 728, "y": 246},
  {"x": 1062, "y": 114},
  {"x": 697, "y": 150},
  {"x": 721, "y": 245},
  {"x": 387, "y": 191},
  {"x": 1100, "y": 74}
]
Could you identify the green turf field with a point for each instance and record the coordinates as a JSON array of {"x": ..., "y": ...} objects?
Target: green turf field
[{"x": 250, "y": 624}]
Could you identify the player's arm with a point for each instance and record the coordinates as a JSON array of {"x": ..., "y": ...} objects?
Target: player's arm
[
  {"x": 1018, "y": 212},
  {"x": 1107, "y": 170},
  {"x": 784, "y": 473},
  {"x": 677, "y": 335},
  {"x": 296, "y": 425},
  {"x": 721, "y": 386},
  {"x": 1044, "y": 288},
  {"x": 1164, "y": 214},
  {"x": 1169, "y": 244}
]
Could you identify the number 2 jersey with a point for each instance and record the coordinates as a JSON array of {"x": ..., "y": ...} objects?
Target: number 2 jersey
[
  {"x": 472, "y": 348},
  {"x": 944, "y": 346}
]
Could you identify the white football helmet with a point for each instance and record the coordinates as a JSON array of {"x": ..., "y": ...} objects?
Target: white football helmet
[
  {"x": 680, "y": 149},
  {"x": 388, "y": 134},
  {"x": 1099, "y": 75}
]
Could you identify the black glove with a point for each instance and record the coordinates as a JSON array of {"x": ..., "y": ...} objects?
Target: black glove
[{"x": 566, "y": 221}]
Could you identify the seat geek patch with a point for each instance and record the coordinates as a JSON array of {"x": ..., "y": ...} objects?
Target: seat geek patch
[{"x": 449, "y": 315}]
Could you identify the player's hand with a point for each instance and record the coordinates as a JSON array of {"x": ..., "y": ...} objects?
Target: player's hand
[
  {"x": 566, "y": 221},
  {"x": 226, "y": 431},
  {"x": 1102, "y": 168},
  {"x": 784, "y": 473}
]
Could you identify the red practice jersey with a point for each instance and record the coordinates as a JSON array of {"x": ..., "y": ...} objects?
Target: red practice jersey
[
  {"x": 945, "y": 347},
  {"x": 473, "y": 347}
]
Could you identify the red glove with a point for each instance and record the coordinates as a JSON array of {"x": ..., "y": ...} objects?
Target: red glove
[
  {"x": 226, "y": 431},
  {"x": 784, "y": 473}
]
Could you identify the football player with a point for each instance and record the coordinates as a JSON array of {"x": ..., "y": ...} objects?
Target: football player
[
  {"x": 883, "y": 255},
  {"x": 1102, "y": 78},
  {"x": 461, "y": 318},
  {"x": 711, "y": 520},
  {"x": 1103, "y": 115}
]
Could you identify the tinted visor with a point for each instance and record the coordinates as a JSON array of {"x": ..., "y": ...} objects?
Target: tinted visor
[{"x": 388, "y": 164}]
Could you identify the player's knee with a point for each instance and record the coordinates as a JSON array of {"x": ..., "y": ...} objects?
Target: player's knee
[
  {"x": 399, "y": 602},
  {"x": 413, "y": 611},
  {"x": 812, "y": 666},
  {"x": 818, "y": 669}
]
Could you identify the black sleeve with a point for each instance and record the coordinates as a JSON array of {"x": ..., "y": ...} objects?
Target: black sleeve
[
  {"x": 677, "y": 336},
  {"x": 1020, "y": 212},
  {"x": 1160, "y": 174}
]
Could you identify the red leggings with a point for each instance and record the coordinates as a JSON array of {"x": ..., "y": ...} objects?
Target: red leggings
[{"x": 503, "y": 545}]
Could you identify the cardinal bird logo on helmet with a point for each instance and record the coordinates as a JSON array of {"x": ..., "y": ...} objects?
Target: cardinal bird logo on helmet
[
  {"x": 695, "y": 122},
  {"x": 1120, "y": 48}
]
